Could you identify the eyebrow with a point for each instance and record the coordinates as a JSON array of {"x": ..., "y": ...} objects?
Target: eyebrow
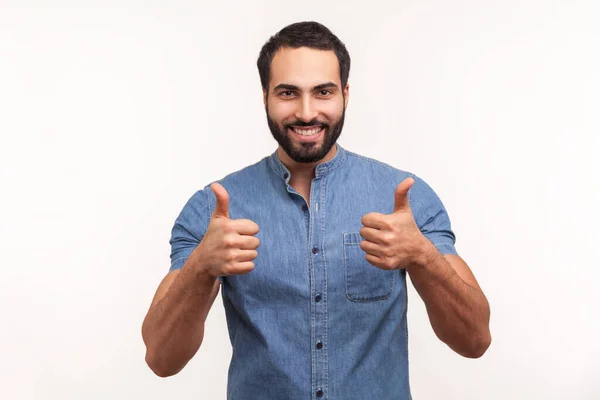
[{"x": 286, "y": 86}]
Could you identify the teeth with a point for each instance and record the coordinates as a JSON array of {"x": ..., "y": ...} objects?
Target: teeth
[{"x": 307, "y": 132}]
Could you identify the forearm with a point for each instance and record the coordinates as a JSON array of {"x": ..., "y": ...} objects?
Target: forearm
[
  {"x": 173, "y": 330},
  {"x": 458, "y": 312}
]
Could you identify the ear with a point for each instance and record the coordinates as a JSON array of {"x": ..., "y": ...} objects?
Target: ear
[
  {"x": 264, "y": 97},
  {"x": 346, "y": 94}
]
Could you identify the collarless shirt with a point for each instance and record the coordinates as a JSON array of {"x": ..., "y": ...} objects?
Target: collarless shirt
[{"x": 314, "y": 319}]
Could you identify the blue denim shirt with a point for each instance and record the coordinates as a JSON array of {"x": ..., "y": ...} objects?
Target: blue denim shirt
[{"x": 314, "y": 319}]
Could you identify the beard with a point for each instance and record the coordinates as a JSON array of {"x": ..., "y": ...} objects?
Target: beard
[{"x": 306, "y": 152}]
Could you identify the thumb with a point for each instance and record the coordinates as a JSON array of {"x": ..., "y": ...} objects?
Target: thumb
[
  {"x": 401, "y": 202},
  {"x": 222, "y": 206}
]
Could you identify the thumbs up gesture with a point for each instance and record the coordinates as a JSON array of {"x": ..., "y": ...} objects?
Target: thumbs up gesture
[
  {"x": 392, "y": 241},
  {"x": 229, "y": 245}
]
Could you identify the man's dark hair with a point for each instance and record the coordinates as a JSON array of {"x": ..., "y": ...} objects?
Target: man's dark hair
[{"x": 303, "y": 34}]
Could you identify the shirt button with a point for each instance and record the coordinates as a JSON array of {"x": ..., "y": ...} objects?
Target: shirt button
[
  {"x": 315, "y": 250},
  {"x": 318, "y": 298},
  {"x": 319, "y": 345},
  {"x": 304, "y": 207},
  {"x": 319, "y": 393}
]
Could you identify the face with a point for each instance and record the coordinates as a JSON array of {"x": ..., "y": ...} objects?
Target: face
[{"x": 305, "y": 103}]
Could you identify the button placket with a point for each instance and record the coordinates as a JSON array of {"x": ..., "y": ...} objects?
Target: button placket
[{"x": 319, "y": 332}]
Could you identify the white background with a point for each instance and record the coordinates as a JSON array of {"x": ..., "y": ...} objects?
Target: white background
[{"x": 112, "y": 114}]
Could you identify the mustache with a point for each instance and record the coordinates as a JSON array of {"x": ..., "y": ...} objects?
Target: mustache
[{"x": 314, "y": 122}]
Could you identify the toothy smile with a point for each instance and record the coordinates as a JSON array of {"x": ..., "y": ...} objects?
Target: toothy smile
[{"x": 307, "y": 131}]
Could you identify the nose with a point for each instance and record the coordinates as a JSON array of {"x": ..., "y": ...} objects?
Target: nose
[{"x": 306, "y": 110}]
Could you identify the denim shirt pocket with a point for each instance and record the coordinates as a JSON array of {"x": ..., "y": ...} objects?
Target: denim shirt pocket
[{"x": 364, "y": 281}]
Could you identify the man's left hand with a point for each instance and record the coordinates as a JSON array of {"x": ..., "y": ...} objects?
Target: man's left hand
[{"x": 393, "y": 241}]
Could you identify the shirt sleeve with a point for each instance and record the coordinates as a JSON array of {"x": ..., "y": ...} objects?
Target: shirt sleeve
[
  {"x": 189, "y": 228},
  {"x": 431, "y": 216}
]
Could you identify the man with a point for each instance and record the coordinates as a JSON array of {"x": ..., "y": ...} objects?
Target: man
[{"x": 311, "y": 247}]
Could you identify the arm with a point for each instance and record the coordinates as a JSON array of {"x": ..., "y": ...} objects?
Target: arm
[
  {"x": 458, "y": 310},
  {"x": 173, "y": 329}
]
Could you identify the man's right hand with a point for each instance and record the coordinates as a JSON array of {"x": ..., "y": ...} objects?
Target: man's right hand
[{"x": 229, "y": 245}]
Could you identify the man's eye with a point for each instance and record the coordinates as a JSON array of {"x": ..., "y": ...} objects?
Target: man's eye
[
  {"x": 325, "y": 92},
  {"x": 287, "y": 93}
]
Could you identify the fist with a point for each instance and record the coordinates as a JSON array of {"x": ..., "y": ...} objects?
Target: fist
[
  {"x": 229, "y": 245},
  {"x": 393, "y": 241}
]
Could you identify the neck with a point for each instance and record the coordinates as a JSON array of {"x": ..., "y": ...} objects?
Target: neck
[{"x": 303, "y": 171}]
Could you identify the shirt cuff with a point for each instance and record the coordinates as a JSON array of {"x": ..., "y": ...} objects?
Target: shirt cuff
[{"x": 445, "y": 248}]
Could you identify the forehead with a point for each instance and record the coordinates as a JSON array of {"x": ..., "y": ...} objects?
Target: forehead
[{"x": 304, "y": 67}]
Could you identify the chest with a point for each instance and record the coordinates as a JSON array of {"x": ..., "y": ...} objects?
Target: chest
[{"x": 303, "y": 253}]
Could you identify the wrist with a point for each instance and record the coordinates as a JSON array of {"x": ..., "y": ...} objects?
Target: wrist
[
  {"x": 424, "y": 255},
  {"x": 198, "y": 266}
]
